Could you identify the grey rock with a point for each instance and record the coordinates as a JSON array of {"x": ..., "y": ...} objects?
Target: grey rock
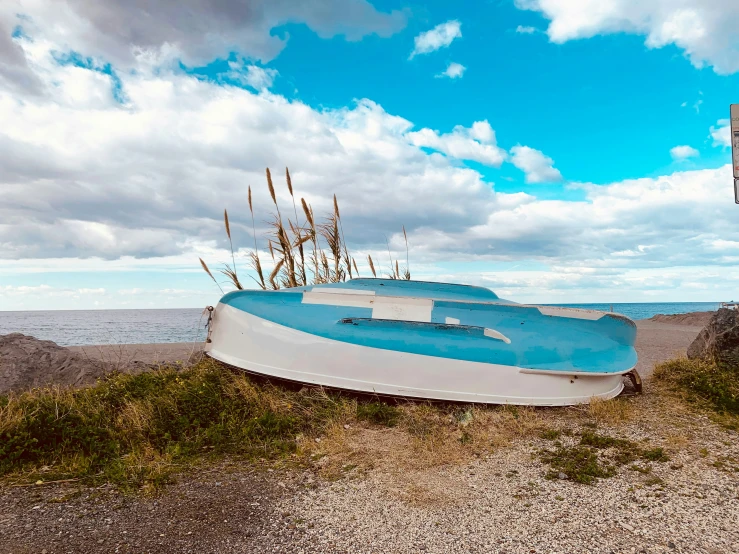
[{"x": 719, "y": 339}]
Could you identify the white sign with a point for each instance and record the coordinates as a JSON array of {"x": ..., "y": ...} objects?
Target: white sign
[
  {"x": 735, "y": 139},
  {"x": 736, "y": 191}
]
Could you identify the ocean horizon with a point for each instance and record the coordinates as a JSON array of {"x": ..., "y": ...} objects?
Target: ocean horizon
[{"x": 144, "y": 326}]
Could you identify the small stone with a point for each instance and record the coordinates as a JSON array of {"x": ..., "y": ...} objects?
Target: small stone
[
  {"x": 346, "y": 426},
  {"x": 627, "y": 527},
  {"x": 561, "y": 475},
  {"x": 671, "y": 544}
]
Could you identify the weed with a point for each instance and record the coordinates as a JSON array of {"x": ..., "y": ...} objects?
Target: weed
[
  {"x": 655, "y": 455},
  {"x": 653, "y": 480},
  {"x": 378, "y": 413},
  {"x": 579, "y": 463},
  {"x": 551, "y": 434},
  {"x": 597, "y": 456},
  {"x": 714, "y": 384}
]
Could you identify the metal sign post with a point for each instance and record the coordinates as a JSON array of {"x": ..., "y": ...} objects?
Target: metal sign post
[{"x": 735, "y": 148}]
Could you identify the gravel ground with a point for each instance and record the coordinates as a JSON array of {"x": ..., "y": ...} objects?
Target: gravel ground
[
  {"x": 503, "y": 504},
  {"x": 498, "y": 503},
  {"x": 223, "y": 510}
]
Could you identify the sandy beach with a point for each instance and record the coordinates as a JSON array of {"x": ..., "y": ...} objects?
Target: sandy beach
[{"x": 393, "y": 502}]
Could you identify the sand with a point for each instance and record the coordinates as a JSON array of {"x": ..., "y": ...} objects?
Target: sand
[{"x": 154, "y": 353}]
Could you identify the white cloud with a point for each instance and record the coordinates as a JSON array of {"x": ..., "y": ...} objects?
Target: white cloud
[
  {"x": 537, "y": 167},
  {"x": 259, "y": 78},
  {"x": 683, "y": 152},
  {"x": 707, "y": 31},
  {"x": 721, "y": 133},
  {"x": 525, "y": 30},
  {"x": 440, "y": 36},
  {"x": 453, "y": 71},
  {"x": 90, "y": 184},
  {"x": 476, "y": 143},
  {"x": 195, "y": 31}
]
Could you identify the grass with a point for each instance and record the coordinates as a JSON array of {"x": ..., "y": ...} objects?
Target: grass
[
  {"x": 708, "y": 384},
  {"x": 595, "y": 457},
  {"x": 139, "y": 430},
  {"x": 378, "y": 413}
]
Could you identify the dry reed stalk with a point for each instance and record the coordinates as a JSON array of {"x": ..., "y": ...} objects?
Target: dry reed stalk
[
  {"x": 231, "y": 273},
  {"x": 271, "y": 188},
  {"x": 232, "y": 276},
  {"x": 298, "y": 230},
  {"x": 274, "y": 273},
  {"x": 372, "y": 266},
  {"x": 286, "y": 243},
  {"x": 314, "y": 235},
  {"x": 256, "y": 264},
  {"x": 205, "y": 267},
  {"x": 390, "y": 255},
  {"x": 407, "y": 257}
]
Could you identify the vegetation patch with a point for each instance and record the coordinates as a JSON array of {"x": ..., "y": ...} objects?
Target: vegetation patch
[
  {"x": 711, "y": 384},
  {"x": 137, "y": 430},
  {"x": 595, "y": 456},
  {"x": 378, "y": 413}
]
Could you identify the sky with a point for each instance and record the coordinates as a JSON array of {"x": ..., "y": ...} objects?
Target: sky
[{"x": 555, "y": 151}]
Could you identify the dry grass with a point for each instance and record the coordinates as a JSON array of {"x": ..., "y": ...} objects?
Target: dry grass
[
  {"x": 611, "y": 412},
  {"x": 426, "y": 436},
  {"x": 303, "y": 251}
]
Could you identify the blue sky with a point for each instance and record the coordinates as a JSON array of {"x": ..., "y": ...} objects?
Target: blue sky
[{"x": 567, "y": 155}]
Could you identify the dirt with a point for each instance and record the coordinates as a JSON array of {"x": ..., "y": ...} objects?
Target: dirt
[
  {"x": 695, "y": 319},
  {"x": 222, "y": 510}
]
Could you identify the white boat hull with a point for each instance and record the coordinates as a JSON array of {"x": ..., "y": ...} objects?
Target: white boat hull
[{"x": 257, "y": 345}]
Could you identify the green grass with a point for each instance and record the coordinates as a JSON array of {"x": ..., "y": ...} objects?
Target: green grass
[
  {"x": 596, "y": 456},
  {"x": 715, "y": 385},
  {"x": 378, "y": 413},
  {"x": 138, "y": 430}
]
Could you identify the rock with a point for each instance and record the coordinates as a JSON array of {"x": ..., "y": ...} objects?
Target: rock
[
  {"x": 561, "y": 475},
  {"x": 27, "y": 362},
  {"x": 719, "y": 339}
]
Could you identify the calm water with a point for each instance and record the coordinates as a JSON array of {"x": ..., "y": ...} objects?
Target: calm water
[{"x": 144, "y": 326}]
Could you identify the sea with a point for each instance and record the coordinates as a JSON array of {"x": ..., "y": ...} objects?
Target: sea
[{"x": 83, "y": 327}]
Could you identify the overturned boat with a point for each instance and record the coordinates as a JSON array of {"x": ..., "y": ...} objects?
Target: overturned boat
[{"x": 425, "y": 340}]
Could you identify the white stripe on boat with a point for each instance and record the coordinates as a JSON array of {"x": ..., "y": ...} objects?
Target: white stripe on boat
[
  {"x": 396, "y": 308},
  {"x": 451, "y": 321},
  {"x": 403, "y": 309},
  {"x": 575, "y": 313},
  {"x": 338, "y": 299},
  {"x": 496, "y": 335}
]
